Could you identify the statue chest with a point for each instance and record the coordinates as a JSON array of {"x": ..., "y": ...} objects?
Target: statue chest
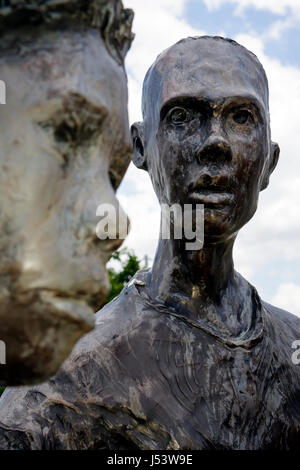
[{"x": 191, "y": 391}]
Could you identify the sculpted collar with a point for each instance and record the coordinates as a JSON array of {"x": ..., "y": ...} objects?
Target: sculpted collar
[{"x": 247, "y": 340}]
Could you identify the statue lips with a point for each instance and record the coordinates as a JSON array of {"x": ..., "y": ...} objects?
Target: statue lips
[
  {"x": 212, "y": 197},
  {"x": 213, "y": 192}
]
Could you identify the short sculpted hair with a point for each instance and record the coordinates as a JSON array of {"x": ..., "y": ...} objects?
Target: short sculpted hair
[
  {"x": 108, "y": 16},
  {"x": 150, "y": 96}
]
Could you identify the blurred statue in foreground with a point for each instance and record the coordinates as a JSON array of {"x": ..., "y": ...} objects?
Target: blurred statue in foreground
[
  {"x": 65, "y": 146},
  {"x": 188, "y": 356}
]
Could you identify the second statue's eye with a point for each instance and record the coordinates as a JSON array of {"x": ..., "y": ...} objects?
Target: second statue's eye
[
  {"x": 179, "y": 115},
  {"x": 242, "y": 117}
]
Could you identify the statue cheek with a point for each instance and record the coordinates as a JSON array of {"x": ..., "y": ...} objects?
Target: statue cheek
[{"x": 247, "y": 150}]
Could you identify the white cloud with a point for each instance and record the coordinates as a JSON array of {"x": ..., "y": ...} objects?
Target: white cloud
[
  {"x": 277, "y": 28},
  {"x": 289, "y": 10},
  {"x": 288, "y": 298},
  {"x": 279, "y": 7}
]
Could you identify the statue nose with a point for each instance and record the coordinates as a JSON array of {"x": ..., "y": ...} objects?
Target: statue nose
[
  {"x": 87, "y": 231},
  {"x": 215, "y": 149}
]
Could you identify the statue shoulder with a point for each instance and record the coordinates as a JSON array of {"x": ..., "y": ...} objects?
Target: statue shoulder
[
  {"x": 284, "y": 320},
  {"x": 113, "y": 320}
]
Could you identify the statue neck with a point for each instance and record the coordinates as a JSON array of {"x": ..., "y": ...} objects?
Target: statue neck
[
  {"x": 202, "y": 285},
  {"x": 204, "y": 273}
]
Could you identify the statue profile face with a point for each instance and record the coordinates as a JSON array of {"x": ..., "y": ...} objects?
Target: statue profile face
[
  {"x": 206, "y": 136},
  {"x": 64, "y": 144}
]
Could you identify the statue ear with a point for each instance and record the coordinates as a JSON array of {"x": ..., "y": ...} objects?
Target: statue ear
[
  {"x": 137, "y": 135},
  {"x": 273, "y": 160}
]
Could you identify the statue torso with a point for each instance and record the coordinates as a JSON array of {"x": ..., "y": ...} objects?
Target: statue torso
[
  {"x": 146, "y": 378},
  {"x": 196, "y": 390}
]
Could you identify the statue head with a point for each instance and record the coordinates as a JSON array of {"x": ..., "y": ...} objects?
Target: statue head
[
  {"x": 65, "y": 146},
  {"x": 206, "y": 137}
]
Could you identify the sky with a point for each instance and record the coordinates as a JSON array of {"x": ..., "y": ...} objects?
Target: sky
[{"x": 267, "y": 250}]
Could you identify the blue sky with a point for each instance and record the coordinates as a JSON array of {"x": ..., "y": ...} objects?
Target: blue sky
[
  {"x": 252, "y": 20},
  {"x": 267, "y": 252}
]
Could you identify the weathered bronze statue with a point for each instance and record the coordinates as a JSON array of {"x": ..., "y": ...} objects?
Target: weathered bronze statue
[
  {"x": 65, "y": 146},
  {"x": 188, "y": 356}
]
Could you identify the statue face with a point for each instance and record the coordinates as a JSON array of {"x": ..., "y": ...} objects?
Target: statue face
[
  {"x": 207, "y": 135},
  {"x": 64, "y": 131}
]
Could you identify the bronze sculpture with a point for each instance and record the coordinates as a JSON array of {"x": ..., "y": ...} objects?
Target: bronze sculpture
[
  {"x": 188, "y": 356},
  {"x": 62, "y": 63}
]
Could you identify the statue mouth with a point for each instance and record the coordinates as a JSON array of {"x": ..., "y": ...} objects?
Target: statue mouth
[
  {"x": 211, "y": 197},
  {"x": 213, "y": 191},
  {"x": 76, "y": 309},
  {"x": 81, "y": 298}
]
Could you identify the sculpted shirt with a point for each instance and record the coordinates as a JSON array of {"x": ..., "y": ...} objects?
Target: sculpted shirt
[{"x": 148, "y": 378}]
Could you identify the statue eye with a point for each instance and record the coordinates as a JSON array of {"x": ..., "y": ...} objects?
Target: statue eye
[
  {"x": 242, "y": 117},
  {"x": 65, "y": 132},
  {"x": 179, "y": 115}
]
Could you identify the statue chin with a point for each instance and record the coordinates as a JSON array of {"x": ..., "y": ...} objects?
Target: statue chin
[{"x": 39, "y": 334}]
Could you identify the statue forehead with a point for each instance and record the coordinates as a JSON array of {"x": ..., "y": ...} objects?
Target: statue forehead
[
  {"x": 205, "y": 68},
  {"x": 91, "y": 72}
]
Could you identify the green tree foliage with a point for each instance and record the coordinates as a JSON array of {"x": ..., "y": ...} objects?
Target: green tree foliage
[{"x": 129, "y": 265}]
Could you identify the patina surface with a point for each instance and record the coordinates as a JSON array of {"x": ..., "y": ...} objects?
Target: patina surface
[
  {"x": 65, "y": 146},
  {"x": 188, "y": 356}
]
